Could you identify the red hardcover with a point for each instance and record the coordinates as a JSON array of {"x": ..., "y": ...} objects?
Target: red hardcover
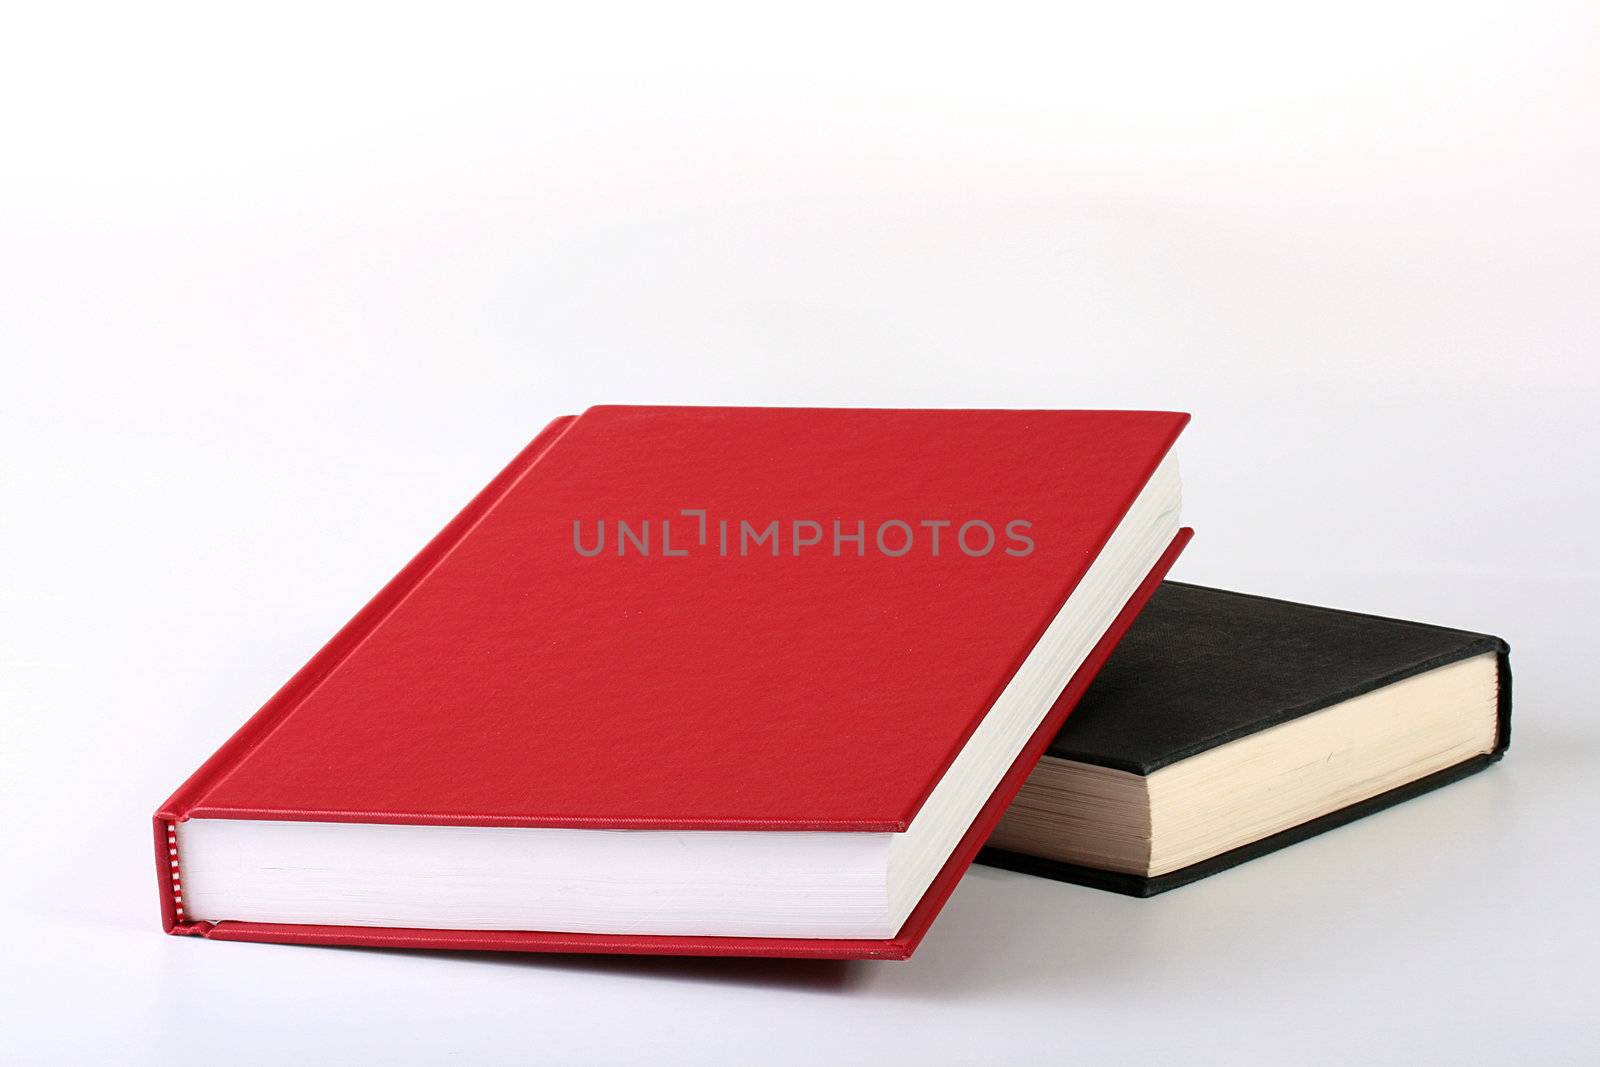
[{"x": 665, "y": 682}]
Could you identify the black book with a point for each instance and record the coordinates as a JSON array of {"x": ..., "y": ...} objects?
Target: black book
[{"x": 1226, "y": 726}]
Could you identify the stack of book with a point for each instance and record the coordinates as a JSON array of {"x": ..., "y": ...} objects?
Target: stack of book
[{"x": 765, "y": 682}]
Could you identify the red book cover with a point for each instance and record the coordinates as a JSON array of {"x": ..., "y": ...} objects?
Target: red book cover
[{"x": 727, "y": 619}]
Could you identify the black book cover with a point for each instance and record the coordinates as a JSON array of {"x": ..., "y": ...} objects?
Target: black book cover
[{"x": 1202, "y": 667}]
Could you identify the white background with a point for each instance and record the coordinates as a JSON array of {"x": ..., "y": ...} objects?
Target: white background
[{"x": 280, "y": 289}]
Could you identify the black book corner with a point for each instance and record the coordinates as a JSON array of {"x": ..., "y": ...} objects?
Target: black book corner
[{"x": 1281, "y": 719}]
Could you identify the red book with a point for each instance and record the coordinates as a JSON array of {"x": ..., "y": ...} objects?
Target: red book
[{"x": 734, "y": 681}]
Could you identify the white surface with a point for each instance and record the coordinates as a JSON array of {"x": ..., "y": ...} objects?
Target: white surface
[{"x": 279, "y": 291}]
